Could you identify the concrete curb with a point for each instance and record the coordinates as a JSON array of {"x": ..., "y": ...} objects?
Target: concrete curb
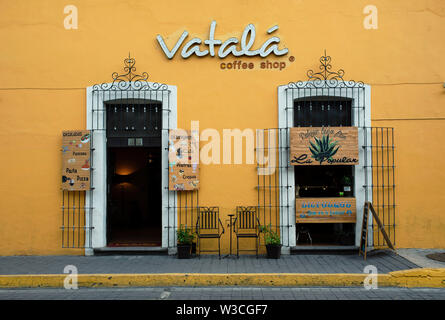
[{"x": 427, "y": 278}]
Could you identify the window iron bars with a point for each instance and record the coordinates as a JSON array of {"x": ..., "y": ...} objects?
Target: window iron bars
[
  {"x": 76, "y": 233},
  {"x": 381, "y": 186},
  {"x": 274, "y": 190},
  {"x": 273, "y": 184}
]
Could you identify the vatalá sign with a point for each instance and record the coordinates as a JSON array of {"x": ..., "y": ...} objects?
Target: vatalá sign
[{"x": 228, "y": 46}]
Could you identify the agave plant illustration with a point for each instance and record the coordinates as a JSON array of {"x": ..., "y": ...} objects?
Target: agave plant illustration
[{"x": 323, "y": 149}]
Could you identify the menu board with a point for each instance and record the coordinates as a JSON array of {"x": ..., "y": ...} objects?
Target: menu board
[
  {"x": 183, "y": 158},
  {"x": 324, "y": 146},
  {"x": 76, "y": 160},
  {"x": 325, "y": 210}
]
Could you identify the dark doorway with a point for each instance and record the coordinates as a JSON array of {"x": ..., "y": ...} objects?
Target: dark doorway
[
  {"x": 324, "y": 181},
  {"x": 134, "y": 214},
  {"x": 134, "y": 179}
]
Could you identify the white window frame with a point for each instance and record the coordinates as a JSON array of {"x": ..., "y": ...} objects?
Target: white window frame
[{"x": 285, "y": 104}]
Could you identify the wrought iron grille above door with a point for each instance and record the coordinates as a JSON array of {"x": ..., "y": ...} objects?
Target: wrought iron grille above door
[
  {"x": 133, "y": 123},
  {"x": 322, "y": 111}
]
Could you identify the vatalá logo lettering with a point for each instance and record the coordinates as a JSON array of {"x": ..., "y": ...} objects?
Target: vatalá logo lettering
[{"x": 226, "y": 47}]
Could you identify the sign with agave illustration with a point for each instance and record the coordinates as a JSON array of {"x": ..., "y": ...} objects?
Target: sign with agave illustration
[{"x": 324, "y": 146}]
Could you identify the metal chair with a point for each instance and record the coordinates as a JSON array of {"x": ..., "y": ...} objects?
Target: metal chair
[
  {"x": 208, "y": 227},
  {"x": 305, "y": 231},
  {"x": 247, "y": 225}
]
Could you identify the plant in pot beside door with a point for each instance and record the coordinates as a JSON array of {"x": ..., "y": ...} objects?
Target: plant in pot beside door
[
  {"x": 273, "y": 242},
  {"x": 185, "y": 239}
]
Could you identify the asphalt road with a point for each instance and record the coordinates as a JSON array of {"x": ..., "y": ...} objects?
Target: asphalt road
[{"x": 224, "y": 293}]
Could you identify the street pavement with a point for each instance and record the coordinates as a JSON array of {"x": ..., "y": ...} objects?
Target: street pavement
[
  {"x": 385, "y": 261},
  {"x": 225, "y": 293}
]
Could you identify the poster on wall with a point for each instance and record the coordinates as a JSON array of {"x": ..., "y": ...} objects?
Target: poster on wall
[
  {"x": 76, "y": 160},
  {"x": 325, "y": 210},
  {"x": 183, "y": 160},
  {"x": 324, "y": 146}
]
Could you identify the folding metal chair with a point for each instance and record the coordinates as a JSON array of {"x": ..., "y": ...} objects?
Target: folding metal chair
[
  {"x": 209, "y": 226},
  {"x": 247, "y": 225}
]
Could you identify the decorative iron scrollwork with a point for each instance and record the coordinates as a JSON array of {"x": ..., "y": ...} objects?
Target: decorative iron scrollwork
[
  {"x": 130, "y": 80},
  {"x": 325, "y": 78}
]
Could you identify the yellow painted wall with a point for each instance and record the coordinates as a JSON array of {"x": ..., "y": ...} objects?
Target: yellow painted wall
[{"x": 45, "y": 70}]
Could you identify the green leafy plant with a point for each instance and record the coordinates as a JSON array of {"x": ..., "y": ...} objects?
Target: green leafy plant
[
  {"x": 270, "y": 236},
  {"x": 323, "y": 148},
  {"x": 185, "y": 235}
]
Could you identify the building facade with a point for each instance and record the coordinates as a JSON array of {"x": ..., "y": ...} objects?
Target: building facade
[{"x": 298, "y": 113}]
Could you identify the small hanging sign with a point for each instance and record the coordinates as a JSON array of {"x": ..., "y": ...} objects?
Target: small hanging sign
[
  {"x": 76, "y": 160},
  {"x": 325, "y": 210},
  {"x": 324, "y": 146},
  {"x": 183, "y": 157}
]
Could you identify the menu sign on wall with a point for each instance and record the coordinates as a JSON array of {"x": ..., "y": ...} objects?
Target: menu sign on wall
[
  {"x": 76, "y": 160},
  {"x": 183, "y": 158},
  {"x": 323, "y": 210},
  {"x": 324, "y": 146}
]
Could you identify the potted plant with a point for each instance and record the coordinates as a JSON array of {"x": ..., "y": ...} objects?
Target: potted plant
[
  {"x": 185, "y": 239},
  {"x": 273, "y": 242}
]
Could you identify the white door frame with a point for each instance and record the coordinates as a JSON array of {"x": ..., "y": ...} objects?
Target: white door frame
[
  {"x": 168, "y": 98},
  {"x": 285, "y": 104}
]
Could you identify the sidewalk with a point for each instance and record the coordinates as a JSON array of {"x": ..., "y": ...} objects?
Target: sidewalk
[
  {"x": 385, "y": 262},
  {"x": 152, "y": 270}
]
